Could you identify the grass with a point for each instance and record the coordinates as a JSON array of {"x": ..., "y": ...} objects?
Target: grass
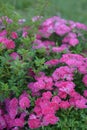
[{"x": 69, "y": 9}]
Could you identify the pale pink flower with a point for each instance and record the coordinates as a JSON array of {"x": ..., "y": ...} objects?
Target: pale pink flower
[
  {"x": 36, "y": 18},
  {"x": 21, "y": 21}
]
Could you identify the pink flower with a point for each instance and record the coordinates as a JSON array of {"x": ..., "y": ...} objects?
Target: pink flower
[
  {"x": 9, "y": 121},
  {"x": 64, "y": 104},
  {"x": 37, "y": 102},
  {"x": 52, "y": 62},
  {"x": 19, "y": 122},
  {"x": 81, "y": 69},
  {"x": 2, "y": 123},
  {"x": 3, "y": 33},
  {"x": 73, "y": 60},
  {"x": 14, "y": 55},
  {"x": 61, "y": 48},
  {"x": 13, "y": 108},
  {"x": 81, "y": 103},
  {"x": 62, "y": 94},
  {"x": 75, "y": 95},
  {"x": 13, "y": 103},
  {"x": 47, "y": 107},
  {"x": 85, "y": 93},
  {"x": 48, "y": 83},
  {"x": 61, "y": 29},
  {"x": 34, "y": 123},
  {"x": 49, "y": 119},
  {"x": 14, "y": 35},
  {"x": 65, "y": 86},
  {"x": 43, "y": 44},
  {"x": 15, "y": 128},
  {"x": 13, "y": 113},
  {"x": 24, "y": 102},
  {"x": 72, "y": 101},
  {"x": 47, "y": 95},
  {"x": 40, "y": 76},
  {"x": 81, "y": 26},
  {"x": 73, "y": 41},
  {"x": 9, "y": 44},
  {"x": 56, "y": 99},
  {"x": 63, "y": 72},
  {"x": 37, "y": 110},
  {"x": 43, "y": 82},
  {"x": 39, "y": 85},
  {"x": 25, "y": 34},
  {"x": 85, "y": 80},
  {"x": 36, "y": 86}
]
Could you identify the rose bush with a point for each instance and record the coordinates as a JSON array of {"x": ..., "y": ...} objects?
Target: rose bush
[{"x": 43, "y": 75}]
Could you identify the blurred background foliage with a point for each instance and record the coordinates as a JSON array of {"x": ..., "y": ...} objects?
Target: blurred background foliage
[{"x": 69, "y": 9}]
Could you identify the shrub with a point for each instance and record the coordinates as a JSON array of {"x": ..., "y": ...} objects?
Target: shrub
[{"x": 43, "y": 74}]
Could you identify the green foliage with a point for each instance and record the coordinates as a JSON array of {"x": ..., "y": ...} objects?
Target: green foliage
[
  {"x": 39, "y": 64},
  {"x": 70, "y": 9},
  {"x": 9, "y": 11},
  {"x": 71, "y": 119}
]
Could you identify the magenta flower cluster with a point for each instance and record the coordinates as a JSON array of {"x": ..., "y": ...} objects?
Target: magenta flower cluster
[{"x": 54, "y": 92}]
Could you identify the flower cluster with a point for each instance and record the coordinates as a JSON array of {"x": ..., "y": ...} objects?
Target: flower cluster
[
  {"x": 14, "y": 112},
  {"x": 53, "y": 88}
]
